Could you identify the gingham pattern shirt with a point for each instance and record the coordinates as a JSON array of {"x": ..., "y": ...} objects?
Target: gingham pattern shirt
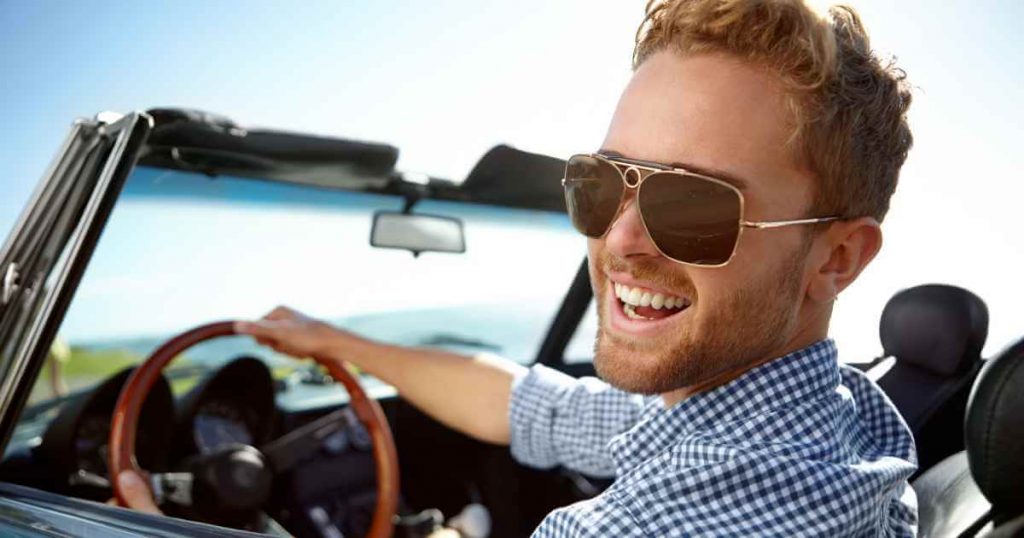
[{"x": 798, "y": 446}]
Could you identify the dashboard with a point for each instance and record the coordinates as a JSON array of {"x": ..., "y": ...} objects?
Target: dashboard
[
  {"x": 62, "y": 448},
  {"x": 65, "y": 450},
  {"x": 74, "y": 447}
]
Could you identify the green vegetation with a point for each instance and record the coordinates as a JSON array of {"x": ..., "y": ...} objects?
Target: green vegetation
[{"x": 83, "y": 367}]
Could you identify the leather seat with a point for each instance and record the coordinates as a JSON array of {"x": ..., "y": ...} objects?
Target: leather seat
[
  {"x": 983, "y": 486},
  {"x": 948, "y": 499},
  {"x": 936, "y": 333},
  {"x": 994, "y": 433}
]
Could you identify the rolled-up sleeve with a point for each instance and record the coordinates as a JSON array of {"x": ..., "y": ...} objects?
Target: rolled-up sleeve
[{"x": 560, "y": 420}]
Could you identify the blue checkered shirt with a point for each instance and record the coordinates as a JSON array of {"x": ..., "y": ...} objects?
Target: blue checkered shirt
[{"x": 799, "y": 446}]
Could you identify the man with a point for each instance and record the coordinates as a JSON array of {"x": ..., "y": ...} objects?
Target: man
[{"x": 739, "y": 190}]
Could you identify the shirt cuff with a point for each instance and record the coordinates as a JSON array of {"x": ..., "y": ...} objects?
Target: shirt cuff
[{"x": 532, "y": 410}]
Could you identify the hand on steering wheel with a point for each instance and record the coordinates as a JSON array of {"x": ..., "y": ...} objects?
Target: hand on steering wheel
[
  {"x": 290, "y": 332},
  {"x": 238, "y": 478}
]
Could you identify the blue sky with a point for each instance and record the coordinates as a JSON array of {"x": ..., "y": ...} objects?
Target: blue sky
[{"x": 444, "y": 81}]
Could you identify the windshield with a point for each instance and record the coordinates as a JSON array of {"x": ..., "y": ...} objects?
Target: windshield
[{"x": 183, "y": 249}]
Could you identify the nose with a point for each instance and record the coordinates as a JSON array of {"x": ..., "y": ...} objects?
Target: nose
[{"x": 627, "y": 237}]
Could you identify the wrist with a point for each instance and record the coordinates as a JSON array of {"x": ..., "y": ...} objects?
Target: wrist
[{"x": 341, "y": 345}]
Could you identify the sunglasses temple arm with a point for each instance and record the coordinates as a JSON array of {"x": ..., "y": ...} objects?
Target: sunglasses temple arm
[{"x": 783, "y": 223}]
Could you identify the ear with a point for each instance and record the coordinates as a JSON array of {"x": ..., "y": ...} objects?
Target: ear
[{"x": 840, "y": 254}]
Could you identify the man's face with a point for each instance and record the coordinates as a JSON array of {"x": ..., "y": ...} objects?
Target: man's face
[{"x": 715, "y": 115}]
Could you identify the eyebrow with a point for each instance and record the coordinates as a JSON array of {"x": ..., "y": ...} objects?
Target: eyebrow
[{"x": 731, "y": 179}]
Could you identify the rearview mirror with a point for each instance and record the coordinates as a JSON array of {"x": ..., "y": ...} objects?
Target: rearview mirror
[{"x": 417, "y": 233}]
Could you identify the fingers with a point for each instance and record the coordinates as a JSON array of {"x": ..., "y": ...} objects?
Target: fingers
[
  {"x": 267, "y": 333},
  {"x": 260, "y": 330},
  {"x": 281, "y": 312},
  {"x": 136, "y": 493},
  {"x": 286, "y": 331},
  {"x": 264, "y": 328}
]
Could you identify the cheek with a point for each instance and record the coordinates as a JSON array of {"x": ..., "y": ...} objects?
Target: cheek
[
  {"x": 718, "y": 287},
  {"x": 594, "y": 247},
  {"x": 763, "y": 268},
  {"x": 761, "y": 251},
  {"x": 714, "y": 286},
  {"x": 593, "y": 255}
]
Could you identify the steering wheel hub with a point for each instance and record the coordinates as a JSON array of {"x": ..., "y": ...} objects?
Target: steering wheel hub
[{"x": 235, "y": 478}]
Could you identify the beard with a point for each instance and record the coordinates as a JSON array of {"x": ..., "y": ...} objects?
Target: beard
[{"x": 738, "y": 331}]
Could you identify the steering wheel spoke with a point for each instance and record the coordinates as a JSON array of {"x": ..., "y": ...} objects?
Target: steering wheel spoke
[
  {"x": 172, "y": 487},
  {"x": 291, "y": 448}
]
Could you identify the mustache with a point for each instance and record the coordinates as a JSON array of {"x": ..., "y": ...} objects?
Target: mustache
[{"x": 650, "y": 271}]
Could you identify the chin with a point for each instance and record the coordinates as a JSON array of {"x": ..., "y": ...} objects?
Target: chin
[{"x": 645, "y": 371}]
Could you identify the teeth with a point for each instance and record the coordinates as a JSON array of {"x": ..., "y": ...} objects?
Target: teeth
[
  {"x": 641, "y": 297},
  {"x": 631, "y": 314}
]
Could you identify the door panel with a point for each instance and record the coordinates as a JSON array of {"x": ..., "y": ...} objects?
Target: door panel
[{"x": 30, "y": 512}]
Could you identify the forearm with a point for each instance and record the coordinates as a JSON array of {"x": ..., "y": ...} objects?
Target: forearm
[{"x": 469, "y": 394}]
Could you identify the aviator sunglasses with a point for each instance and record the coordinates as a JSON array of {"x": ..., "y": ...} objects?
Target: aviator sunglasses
[{"x": 690, "y": 218}]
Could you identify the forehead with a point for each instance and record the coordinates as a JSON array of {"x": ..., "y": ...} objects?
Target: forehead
[{"x": 715, "y": 114}]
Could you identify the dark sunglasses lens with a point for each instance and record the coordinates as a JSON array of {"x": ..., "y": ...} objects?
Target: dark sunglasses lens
[
  {"x": 691, "y": 219},
  {"x": 593, "y": 190}
]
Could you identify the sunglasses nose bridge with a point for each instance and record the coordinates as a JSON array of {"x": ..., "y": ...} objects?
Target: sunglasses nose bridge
[{"x": 632, "y": 176}]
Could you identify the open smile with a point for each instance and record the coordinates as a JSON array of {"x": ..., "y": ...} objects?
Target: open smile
[{"x": 638, "y": 310}]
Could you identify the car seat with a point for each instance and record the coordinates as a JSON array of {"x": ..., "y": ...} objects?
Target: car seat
[
  {"x": 935, "y": 332},
  {"x": 984, "y": 485}
]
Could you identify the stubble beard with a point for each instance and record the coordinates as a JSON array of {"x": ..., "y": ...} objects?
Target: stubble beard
[{"x": 745, "y": 326}]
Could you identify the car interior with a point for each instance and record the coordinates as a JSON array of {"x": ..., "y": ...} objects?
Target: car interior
[
  {"x": 966, "y": 411},
  {"x": 935, "y": 333}
]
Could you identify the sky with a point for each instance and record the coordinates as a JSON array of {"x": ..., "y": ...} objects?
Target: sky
[{"x": 446, "y": 80}]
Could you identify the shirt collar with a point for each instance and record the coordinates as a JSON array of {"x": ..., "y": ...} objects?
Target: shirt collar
[{"x": 781, "y": 382}]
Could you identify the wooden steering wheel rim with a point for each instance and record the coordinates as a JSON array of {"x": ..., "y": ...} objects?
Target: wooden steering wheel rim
[{"x": 123, "y": 424}]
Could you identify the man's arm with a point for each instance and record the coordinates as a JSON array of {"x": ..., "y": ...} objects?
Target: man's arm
[
  {"x": 560, "y": 420},
  {"x": 469, "y": 394},
  {"x": 548, "y": 417}
]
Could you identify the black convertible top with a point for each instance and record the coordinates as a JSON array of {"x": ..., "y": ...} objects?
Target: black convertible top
[
  {"x": 202, "y": 142},
  {"x": 211, "y": 144}
]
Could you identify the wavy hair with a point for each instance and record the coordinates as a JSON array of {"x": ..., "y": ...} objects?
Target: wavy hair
[{"x": 848, "y": 104}]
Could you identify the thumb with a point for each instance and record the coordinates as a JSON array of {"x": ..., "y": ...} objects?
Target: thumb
[{"x": 135, "y": 492}]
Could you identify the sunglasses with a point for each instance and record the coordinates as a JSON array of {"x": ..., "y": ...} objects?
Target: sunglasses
[{"x": 690, "y": 218}]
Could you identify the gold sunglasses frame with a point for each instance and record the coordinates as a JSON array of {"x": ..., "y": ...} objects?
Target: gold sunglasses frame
[{"x": 644, "y": 169}]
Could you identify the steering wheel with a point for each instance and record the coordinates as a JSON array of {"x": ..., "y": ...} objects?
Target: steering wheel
[{"x": 237, "y": 479}]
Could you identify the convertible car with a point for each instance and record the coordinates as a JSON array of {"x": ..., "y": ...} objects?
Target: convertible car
[{"x": 151, "y": 231}]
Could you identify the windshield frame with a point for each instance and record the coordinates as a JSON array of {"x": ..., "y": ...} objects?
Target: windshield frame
[{"x": 88, "y": 174}]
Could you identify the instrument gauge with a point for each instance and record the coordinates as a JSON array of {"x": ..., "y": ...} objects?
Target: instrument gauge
[{"x": 218, "y": 424}]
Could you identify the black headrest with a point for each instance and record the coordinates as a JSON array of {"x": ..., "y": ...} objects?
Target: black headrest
[
  {"x": 510, "y": 177},
  {"x": 994, "y": 431},
  {"x": 936, "y": 327}
]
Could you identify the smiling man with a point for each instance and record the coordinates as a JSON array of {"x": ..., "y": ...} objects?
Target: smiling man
[{"x": 739, "y": 190}]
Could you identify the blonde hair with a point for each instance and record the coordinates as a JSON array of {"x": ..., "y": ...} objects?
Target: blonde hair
[{"x": 849, "y": 106}]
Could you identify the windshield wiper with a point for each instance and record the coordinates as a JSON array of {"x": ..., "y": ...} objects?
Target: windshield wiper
[{"x": 447, "y": 339}]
